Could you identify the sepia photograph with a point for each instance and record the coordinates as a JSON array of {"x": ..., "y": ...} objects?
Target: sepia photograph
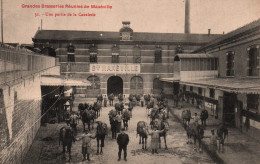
[{"x": 130, "y": 81}]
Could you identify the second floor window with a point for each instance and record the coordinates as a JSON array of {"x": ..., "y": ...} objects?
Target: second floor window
[
  {"x": 115, "y": 54},
  {"x": 93, "y": 53},
  {"x": 230, "y": 63},
  {"x": 137, "y": 54},
  {"x": 158, "y": 55},
  {"x": 253, "y": 61}
]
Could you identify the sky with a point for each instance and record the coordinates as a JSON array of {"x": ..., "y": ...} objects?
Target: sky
[{"x": 165, "y": 16}]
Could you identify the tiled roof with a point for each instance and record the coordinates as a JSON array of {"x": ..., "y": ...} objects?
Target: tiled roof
[
  {"x": 115, "y": 36},
  {"x": 182, "y": 56},
  {"x": 231, "y": 35},
  {"x": 242, "y": 85}
]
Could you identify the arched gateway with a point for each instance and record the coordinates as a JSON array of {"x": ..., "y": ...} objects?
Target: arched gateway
[{"x": 114, "y": 85}]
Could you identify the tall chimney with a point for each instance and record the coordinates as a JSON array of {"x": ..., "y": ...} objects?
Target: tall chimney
[
  {"x": 187, "y": 17},
  {"x": 209, "y": 32}
]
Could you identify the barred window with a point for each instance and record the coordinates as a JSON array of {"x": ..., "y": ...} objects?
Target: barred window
[
  {"x": 230, "y": 63},
  {"x": 157, "y": 84},
  {"x": 115, "y": 54},
  {"x": 137, "y": 54},
  {"x": 158, "y": 54},
  {"x": 95, "y": 82},
  {"x": 136, "y": 82},
  {"x": 253, "y": 61},
  {"x": 93, "y": 53}
]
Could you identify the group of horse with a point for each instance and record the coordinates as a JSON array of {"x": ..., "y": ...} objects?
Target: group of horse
[
  {"x": 88, "y": 113},
  {"x": 197, "y": 130},
  {"x": 158, "y": 113}
]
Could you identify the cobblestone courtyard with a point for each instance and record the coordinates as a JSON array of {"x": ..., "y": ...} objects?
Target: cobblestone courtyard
[{"x": 49, "y": 151}]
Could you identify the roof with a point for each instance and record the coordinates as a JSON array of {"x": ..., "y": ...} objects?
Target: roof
[
  {"x": 62, "y": 81},
  {"x": 243, "y": 85},
  {"x": 115, "y": 36},
  {"x": 171, "y": 79},
  {"x": 182, "y": 56},
  {"x": 255, "y": 25}
]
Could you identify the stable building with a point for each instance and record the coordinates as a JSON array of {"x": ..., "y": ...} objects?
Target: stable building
[{"x": 125, "y": 62}]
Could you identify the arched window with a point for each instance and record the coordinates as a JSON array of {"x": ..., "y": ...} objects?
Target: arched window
[
  {"x": 157, "y": 84},
  {"x": 71, "y": 53},
  {"x": 115, "y": 54},
  {"x": 137, "y": 54},
  {"x": 158, "y": 54},
  {"x": 93, "y": 53},
  {"x": 136, "y": 83},
  {"x": 95, "y": 82},
  {"x": 253, "y": 61}
]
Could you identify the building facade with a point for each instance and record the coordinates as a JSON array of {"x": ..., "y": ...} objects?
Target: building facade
[{"x": 125, "y": 62}]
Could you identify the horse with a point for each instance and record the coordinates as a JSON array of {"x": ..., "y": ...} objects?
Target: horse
[
  {"x": 197, "y": 132},
  {"x": 86, "y": 117},
  {"x": 186, "y": 116},
  {"x": 66, "y": 137},
  {"x": 161, "y": 124},
  {"x": 203, "y": 117},
  {"x": 73, "y": 121},
  {"x": 119, "y": 107},
  {"x": 125, "y": 117},
  {"x": 222, "y": 133},
  {"x": 142, "y": 132},
  {"x": 97, "y": 108},
  {"x": 101, "y": 133}
]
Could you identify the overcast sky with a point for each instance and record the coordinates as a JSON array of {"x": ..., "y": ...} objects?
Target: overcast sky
[{"x": 167, "y": 16}]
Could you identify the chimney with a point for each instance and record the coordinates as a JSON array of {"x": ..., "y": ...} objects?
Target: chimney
[
  {"x": 209, "y": 32},
  {"x": 187, "y": 17}
]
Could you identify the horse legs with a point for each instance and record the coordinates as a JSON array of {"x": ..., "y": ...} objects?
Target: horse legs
[
  {"x": 139, "y": 139},
  {"x": 145, "y": 140},
  {"x": 102, "y": 145},
  {"x": 194, "y": 145},
  {"x": 63, "y": 151},
  {"x": 69, "y": 150},
  {"x": 97, "y": 146},
  {"x": 166, "y": 148},
  {"x": 159, "y": 142},
  {"x": 143, "y": 143}
]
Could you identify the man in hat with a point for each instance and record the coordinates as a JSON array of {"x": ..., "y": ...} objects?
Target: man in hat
[
  {"x": 86, "y": 145},
  {"x": 122, "y": 141}
]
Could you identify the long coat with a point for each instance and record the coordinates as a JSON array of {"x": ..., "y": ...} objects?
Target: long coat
[
  {"x": 155, "y": 134},
  {"x": 86, "y": 144}
]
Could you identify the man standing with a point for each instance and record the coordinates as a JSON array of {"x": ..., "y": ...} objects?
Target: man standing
[
  {"x": 86, "y": 145},
  {"x": 122, "y": 141},
  {"x": 105, "y": 101}
]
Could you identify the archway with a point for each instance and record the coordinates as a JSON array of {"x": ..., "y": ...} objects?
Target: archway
[{"x": 114, "y": 85}]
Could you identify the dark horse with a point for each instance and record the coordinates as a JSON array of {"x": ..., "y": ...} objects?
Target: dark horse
[
  {"x": 161, "y": 124},
  {"x": 87, "y": 116},
  {"x": 66, "y": 137},
  {"x": 142, "y": 132},
  {"x": 197, "y": 132},
  {"x": 186, "y": 116},
  {"x": 203, "y": 117},
  {"x": 97, "y": 107},
  {"x": 100, "y": 135}
]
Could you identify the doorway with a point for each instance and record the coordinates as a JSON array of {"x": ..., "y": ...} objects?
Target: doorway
[{"x": 115, "y": 85}]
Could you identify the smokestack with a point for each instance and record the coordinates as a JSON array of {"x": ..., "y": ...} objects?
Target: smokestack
[
  {"x": 187, "y": 17},
  {"x": 209, "y": 32}
]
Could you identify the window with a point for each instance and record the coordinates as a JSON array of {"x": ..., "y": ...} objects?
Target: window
[
  {"x": 95, "y": 82},
  {"x": 200, "y": 91},
  {"x": 212, "y": 93},
  {"x": 115, "y": 54},
  {"x": 136, "y": 83},
  {"x": 158, "y": 54},
  {"x": 157, "y": 84},
  {"x": 137, "y": 54},
  {"x": 179, "y": 49},
  {"x": 252, "y": 102},
  {"x": 71, "y": 53},
  {"x": 191, "y": 88},
  {"x": 230, "y": 63},
  {"x": 253, "y": 61},
  {"x": 93, "y": 53}
]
